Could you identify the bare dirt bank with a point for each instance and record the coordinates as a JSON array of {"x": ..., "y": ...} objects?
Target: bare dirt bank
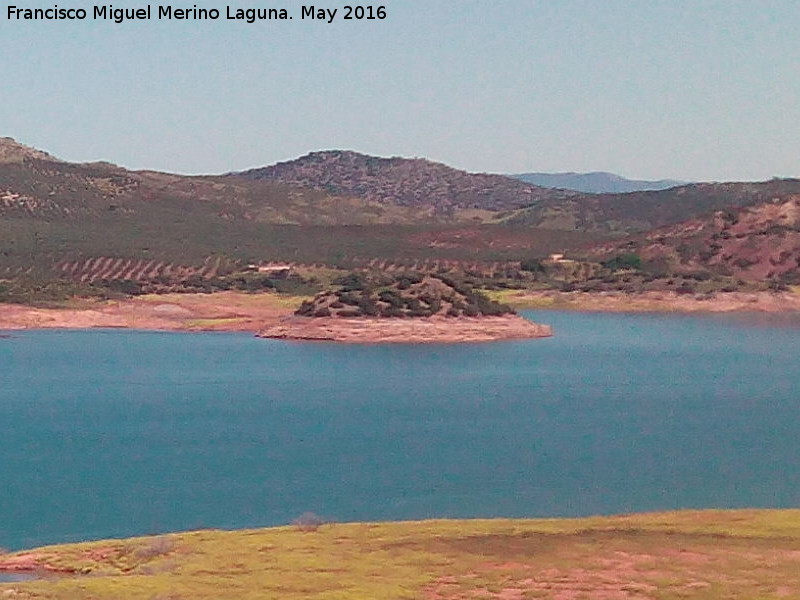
[
  {"x": 769, "y": 302},
  {"x": 224, "y": 311},
  {"x": 364, "y": 330}
]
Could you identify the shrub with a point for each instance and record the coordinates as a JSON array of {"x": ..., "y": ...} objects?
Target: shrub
[
  {"x": 308, "y": 521},
  {"x": 413, "y": 304},
  {"x": 368, "y": 306},
  {"x": 155, "y": 547},
  {"x": 295, "y": 285},
  {"x": 472, "y": 310},
  {"x": 446, "y": 280},
  {"x": 392, "y": 298},
  {"x": 625, "y": 261},
  {"x": 532, "y": 265},
  {"x": 348, "y": 298},
  {"x": 306, "y": 309},
  {"x": 351, "y": 282}
]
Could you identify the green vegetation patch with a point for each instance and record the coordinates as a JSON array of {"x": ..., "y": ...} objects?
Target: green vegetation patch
[{"x": 405, "y": 295}]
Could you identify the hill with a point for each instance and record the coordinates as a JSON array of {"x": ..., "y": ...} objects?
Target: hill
[
  {"x": 438, "y": 190},
  {"x": 760, "y": 242},
  {"x": 713, "y": 555},
  {"x": 401, "y": 296},
  {"x": 597, "y": 182},
  {"x": 34, "y": 184},
  {"x": 417, "y": 183}
]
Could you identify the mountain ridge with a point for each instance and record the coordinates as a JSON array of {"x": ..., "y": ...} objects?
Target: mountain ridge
[{"x": 596, "y": 182}]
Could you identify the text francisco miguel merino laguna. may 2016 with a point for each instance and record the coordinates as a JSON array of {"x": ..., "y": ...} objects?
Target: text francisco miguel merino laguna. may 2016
[{"x": 169, "y": 12}]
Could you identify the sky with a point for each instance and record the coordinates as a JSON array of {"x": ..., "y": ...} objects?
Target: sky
[{"x": 684, "y": 89}]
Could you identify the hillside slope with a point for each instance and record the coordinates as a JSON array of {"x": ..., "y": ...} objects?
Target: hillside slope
[
  {"x": 34, "y": 184},
  {"x": 417, "y": 183},
  {"x": 760, "y": 242}
]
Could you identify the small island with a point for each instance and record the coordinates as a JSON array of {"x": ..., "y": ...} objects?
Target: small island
[{"x": 406, "y": 308}]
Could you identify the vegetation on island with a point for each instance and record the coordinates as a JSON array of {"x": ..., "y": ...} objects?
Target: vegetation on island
[
  {"x": 406, "y": 295},
  {"x": 713, "y": 555}
]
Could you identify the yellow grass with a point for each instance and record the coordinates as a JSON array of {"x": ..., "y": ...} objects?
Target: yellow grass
[
  {"x": 520, "y": 300},
  {"x": 265, "y": 299},
  {"x": 706, "y": 554},
  {"x": 212, "y": 323}
]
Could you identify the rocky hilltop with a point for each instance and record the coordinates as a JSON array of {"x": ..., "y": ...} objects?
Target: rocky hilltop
[
  {"x": 12, "y": 151},
  {"x": 408, "y": 308},
  {"x": 415, "y": 182}
]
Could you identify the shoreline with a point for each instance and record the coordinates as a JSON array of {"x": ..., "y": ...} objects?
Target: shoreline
[
  {"x": 661, "y": 302},
  {"x": 270, "y": 315}
]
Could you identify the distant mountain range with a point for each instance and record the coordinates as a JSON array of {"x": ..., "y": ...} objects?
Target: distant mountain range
[{"x": 598, "y": 182}]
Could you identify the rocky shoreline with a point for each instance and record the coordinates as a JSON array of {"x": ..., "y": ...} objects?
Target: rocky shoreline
[{"x": 443, "y": 330}]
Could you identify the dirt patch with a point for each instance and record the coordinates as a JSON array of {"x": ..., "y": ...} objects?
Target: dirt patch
[
  {"x": 223, "y": 311},
  {"x": 364, "y": 330},
  {"x": 618, "y": 566},
  {"x": 30, "y": 563}
]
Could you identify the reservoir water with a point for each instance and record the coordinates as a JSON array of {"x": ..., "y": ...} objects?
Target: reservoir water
[{"x": 118, "y": 433}]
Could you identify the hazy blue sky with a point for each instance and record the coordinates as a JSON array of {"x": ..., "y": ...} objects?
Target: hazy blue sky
[{"x": 690, "y": 89}]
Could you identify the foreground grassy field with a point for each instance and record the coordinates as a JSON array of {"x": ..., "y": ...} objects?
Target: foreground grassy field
[{"x": 708, "y": 554}]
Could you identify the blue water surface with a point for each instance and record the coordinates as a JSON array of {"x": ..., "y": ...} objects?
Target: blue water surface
[{"x": 118, "y": 433}]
